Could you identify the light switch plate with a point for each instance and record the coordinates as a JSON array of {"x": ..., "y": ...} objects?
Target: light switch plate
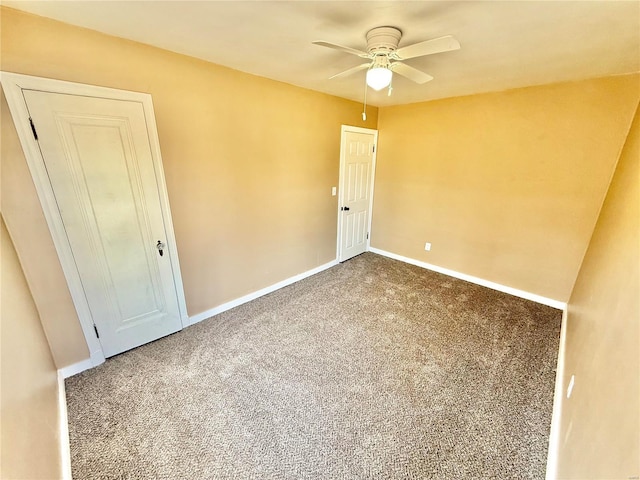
[{"x": 333, "y": 191}]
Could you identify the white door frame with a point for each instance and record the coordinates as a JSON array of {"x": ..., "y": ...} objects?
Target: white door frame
[
  {"x": 343, "y": 130},
  {"x": 13, "y": 84}
]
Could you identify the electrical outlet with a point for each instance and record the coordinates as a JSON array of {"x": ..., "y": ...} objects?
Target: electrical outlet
[{"x": 427, "y": 246}]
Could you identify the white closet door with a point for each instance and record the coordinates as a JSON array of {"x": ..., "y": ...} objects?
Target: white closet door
[{"x": 99, "y": 162}]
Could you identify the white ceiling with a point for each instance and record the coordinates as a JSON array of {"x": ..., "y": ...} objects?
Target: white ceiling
[{"x": 505, "y": 44}]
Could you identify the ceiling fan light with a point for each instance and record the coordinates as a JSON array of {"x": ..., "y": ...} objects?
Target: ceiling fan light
[{"x": 379, "y": 78}]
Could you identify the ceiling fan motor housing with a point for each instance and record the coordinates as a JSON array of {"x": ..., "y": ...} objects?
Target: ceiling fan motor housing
[
  {"x": 383, "y": 40},
  {"x": 383, "y": 54}
]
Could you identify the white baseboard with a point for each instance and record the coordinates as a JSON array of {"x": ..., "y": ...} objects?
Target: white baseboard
[
  {"x": 558, "y": 396},
  {"x": 478, "y": 281},
  {"x": 75, "y": 368},
  {"x": 252, "y": 296},
  {"x": 63, "y": 429}
]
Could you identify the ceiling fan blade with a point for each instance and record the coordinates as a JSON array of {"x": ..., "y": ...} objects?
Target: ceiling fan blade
[
  {"x": 352, "y": 51},
  {"x": 350, "y": 71},
  {"x": 410, "y": 72},
  {"x": 428, "y": 47}
]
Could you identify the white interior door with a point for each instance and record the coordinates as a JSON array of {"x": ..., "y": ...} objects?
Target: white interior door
[
  {"x": 98, "y": 159},
  {"x": 357, "y": 160}
]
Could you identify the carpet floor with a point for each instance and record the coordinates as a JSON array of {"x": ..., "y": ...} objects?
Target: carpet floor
[{"x": 373, "y": 369}]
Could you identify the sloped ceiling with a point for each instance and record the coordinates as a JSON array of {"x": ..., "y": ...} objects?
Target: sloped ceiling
[{"x": 505, "y": 44}]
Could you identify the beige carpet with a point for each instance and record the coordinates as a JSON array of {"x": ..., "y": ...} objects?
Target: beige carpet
[{"x": 371, "y": 369}]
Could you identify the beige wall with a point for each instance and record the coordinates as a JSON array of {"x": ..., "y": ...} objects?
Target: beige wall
[
  {"x": 506, "y": 186},
  {"x": 600, "y": 422},
  {"x": 30, "y": 446},
  {"x": 249, "y": 164}
]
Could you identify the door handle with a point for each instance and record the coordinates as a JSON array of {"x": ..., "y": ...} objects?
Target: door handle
[
  {"x": 160, "y": 246},
  {"x": 344, "y": 209}
]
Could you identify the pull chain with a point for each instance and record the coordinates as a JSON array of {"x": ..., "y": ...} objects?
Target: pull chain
[{"x": 364, "y": 108}]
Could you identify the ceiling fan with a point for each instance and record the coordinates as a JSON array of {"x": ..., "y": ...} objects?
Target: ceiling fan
[{"x": 385, "y": 58}]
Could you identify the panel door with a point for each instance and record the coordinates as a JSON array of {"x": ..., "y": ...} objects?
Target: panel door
[
  {"x": 99, "y": 161},
  {"x": 355, "y": 192}
]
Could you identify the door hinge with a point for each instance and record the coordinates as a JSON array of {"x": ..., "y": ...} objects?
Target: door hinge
[
  {"x": 96, "y": 329},
  {"x": 374, "y": 149},
  {"x": 367, "y": 235},
  {"x": 33, "y": 129}
]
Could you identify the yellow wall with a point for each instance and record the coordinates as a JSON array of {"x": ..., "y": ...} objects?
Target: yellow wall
[
  {"x": 29, "y": 400},
  {"x": 506, "y": 186},
  {"x": 249, "y": 164},
  {"x": 601, "y": 420}
]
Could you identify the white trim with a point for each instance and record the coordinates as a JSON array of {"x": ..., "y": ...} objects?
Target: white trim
[
  {"x": 478, "y": 281},
  {"x": 13, "y": 84},
  {"x": 63, "y": 429},
  {"x": 74, "y": 369},
  {"x": 343, "y": 130},
  {"x": 558, "y": 395},
  {"x": 252, "y": 296}
]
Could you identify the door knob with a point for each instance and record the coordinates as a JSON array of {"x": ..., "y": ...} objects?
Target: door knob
[{"x": 344, "y": 209}]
